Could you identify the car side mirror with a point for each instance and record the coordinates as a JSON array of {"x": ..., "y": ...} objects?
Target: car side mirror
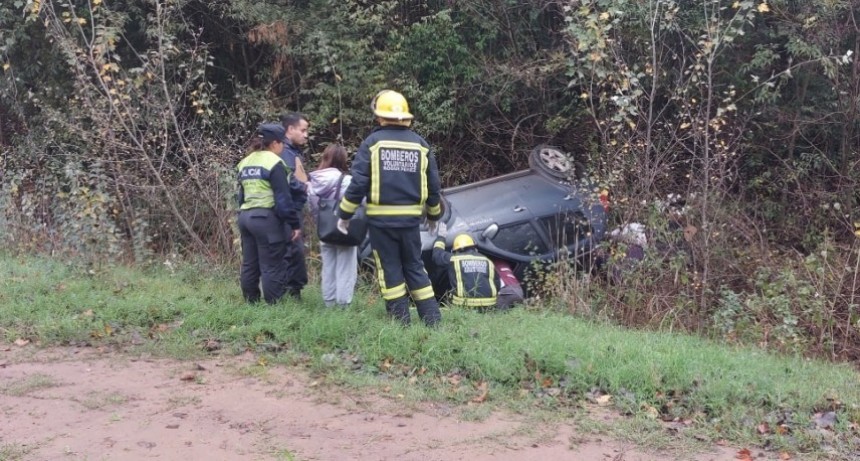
[{"x": 490, "y": 231}]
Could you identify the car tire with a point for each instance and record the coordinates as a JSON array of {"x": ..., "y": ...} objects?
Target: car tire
[{"x": 554, "y": 162}]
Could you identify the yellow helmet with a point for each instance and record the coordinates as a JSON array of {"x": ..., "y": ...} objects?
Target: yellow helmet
[
  {"x": 463, "y": 241},
  {"x": 391, "y": 105}
]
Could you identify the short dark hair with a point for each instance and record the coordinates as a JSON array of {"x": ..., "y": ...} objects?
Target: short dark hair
[{"x": 292, "y": 119}]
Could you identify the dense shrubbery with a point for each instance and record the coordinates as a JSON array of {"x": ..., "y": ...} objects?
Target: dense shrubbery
[{"x": 120, "y": 122}]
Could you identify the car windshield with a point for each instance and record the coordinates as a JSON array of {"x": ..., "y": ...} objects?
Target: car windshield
[{"x": 520, "y": 239}]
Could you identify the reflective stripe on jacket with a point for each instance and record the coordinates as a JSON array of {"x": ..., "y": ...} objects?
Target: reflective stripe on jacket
[
  {"x": 254, "y": 174},
  {"x": 396, "y": 171},
  {"x": 473, "y": 280},
  {"x": 473, "y": 277}
]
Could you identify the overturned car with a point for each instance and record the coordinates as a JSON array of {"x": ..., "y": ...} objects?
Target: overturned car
[{"x": 535, "y": 215}]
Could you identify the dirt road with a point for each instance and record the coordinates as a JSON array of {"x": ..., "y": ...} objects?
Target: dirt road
[{"x": 83, "y": 404}]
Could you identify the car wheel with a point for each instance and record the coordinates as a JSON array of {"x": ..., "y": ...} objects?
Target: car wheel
[{"x": 552, "y": 161}]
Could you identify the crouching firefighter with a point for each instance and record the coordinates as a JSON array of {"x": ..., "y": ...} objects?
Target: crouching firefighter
[
  {"x": 472, "y": 276},
  {"x": 395, "y": 171}
]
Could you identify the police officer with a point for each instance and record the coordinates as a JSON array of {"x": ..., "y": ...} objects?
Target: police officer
[
  {"x": 267, "y": 217},
  {"x": 395, "y": 171},
  {"x": 296, "y": 126},
  {"x": 473, "y": 277}
]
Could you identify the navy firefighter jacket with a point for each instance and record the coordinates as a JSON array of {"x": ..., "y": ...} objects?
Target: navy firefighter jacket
[
  {"x": 396, "y": 171},
  {"x": 473, "y": 277}
]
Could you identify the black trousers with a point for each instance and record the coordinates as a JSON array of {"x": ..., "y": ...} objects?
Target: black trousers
[
  {"x": 400, "y": 272},
  {"x": 264, "y": 244},
  {"x": 297, "y": 269}
]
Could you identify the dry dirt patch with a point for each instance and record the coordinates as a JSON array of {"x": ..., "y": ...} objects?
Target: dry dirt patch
[{"x": 84, "y": 404}]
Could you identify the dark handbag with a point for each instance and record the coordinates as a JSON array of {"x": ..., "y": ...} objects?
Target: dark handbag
[{"x": 327, "y": 222}]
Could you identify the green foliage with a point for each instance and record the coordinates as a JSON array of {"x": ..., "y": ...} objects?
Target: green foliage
[{"x": 121, "y": 122}]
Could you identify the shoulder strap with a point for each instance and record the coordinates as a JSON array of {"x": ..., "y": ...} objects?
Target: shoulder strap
[{"x": 337, "y": 191}]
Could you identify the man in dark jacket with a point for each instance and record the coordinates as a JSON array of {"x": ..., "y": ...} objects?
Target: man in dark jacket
[
  {"x": 296, "y": 127},
  {"x": 395, "y": 171}
]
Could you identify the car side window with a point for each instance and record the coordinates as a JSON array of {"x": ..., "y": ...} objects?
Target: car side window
[
  {"x": 521, "y": 239},
  {"x": 566, "y": 229}
]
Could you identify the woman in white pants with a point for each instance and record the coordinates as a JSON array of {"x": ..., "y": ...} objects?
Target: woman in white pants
[{"x": 339, "y": 263}]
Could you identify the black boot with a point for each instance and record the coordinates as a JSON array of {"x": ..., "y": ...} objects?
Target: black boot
[
  {"x": 398, "y": 309},
  {"x": 428, "y": 310}
]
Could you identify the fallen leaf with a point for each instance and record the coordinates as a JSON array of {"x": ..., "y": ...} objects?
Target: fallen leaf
[
  {"x": 763, "y": 428},
  {"x": 22, "y": 342},
  {"x": 690, "y": 232},
  {"x": 188, "y": 376},
  {"x": 784, "y": 456},
  {"x": 603, "y": 399},
  {"x": 87, "y": 313},
  {"x": 744, "y": 455}
]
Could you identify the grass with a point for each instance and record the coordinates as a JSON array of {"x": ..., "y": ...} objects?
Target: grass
[
  {"x": 13, "y": 452},
  {"x": 101, "y": 400},
  {"x": 28, "y": 385},
  {"x": 522, "y": 360}
]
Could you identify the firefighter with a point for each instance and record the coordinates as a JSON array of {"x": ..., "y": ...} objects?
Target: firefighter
[
  {"x": 267, "y": 218},
  {"x": 395, "y": 171},
  {"x": 472, "y": 276}
]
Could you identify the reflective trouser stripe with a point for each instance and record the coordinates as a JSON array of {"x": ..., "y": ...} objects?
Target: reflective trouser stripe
[
  {"x": 388, "y": 294},
  {"x": 422, "y": 293},
  {"x": 393, "y": 293},
  {"x": 399, "y": 251}
]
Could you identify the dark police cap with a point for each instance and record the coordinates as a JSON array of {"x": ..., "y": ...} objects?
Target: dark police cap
[{"x": 269, "y": 132}]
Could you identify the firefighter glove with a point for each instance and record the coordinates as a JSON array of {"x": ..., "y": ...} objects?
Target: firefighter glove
[{"x": 442, "y": 230}]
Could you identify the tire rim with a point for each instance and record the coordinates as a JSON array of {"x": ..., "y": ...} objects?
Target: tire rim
[{"x": 554, "y": 160}]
